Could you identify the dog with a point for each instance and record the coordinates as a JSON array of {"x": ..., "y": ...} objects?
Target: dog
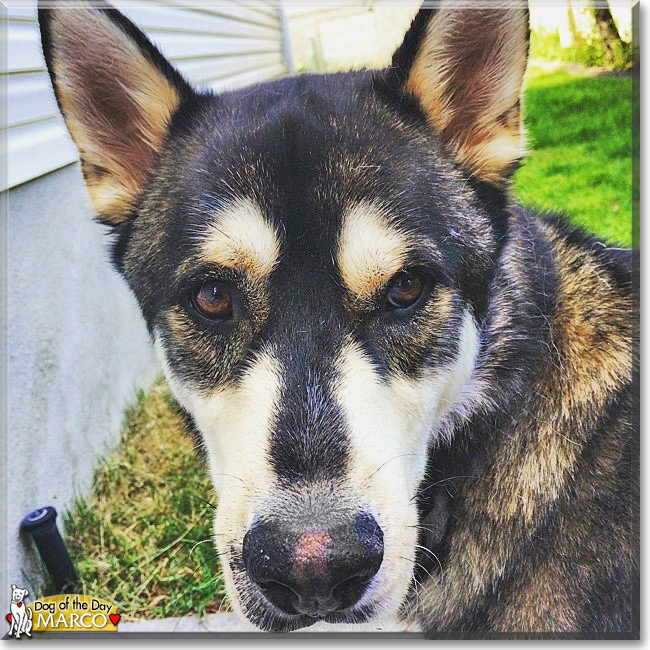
[
  {"x": 416, "y": 397},
  {"x": 20, "y": 619}
]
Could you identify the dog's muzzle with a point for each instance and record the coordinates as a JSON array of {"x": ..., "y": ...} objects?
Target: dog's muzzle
[{"x": 314, "y": 570}]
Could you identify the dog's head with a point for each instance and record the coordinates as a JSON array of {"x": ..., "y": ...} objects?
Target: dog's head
[
  {"x": 312, "y": 259},
  {"x": 17, "y": 594}
]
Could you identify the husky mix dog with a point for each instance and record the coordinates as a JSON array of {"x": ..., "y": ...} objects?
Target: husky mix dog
[{"x": 415, "y": 396}]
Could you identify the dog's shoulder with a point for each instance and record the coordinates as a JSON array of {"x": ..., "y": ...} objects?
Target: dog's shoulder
[
  {"x": 576, "y": 481},
  {"x": 616, "y": 261},
  {"x": 558, "y": 485},
  {"x": 594, "y": 324}
]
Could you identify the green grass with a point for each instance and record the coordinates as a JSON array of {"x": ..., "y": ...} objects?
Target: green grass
[
  {"x": 143, "y": 538},
  {"x": 580, "y": 142}
]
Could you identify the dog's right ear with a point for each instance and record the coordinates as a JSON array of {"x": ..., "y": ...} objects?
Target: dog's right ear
[
  {"x": 465, "y": 66},
  {"x": 117, "y": 94}
]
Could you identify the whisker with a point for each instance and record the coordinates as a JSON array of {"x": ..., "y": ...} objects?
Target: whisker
[
  {"x": 423, "y": 490},
  {"x": 207, "y": 503},
  {"x": 428, "y": 550},
  {"x": 231, "y": 476},
  {"x": 389, "y": 461}
]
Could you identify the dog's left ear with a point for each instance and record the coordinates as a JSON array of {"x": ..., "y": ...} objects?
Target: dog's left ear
[
  {"x": 466, "y": 66},
  {"x": 117, "y": 93}
]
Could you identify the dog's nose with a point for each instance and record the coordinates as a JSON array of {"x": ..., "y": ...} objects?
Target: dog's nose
[{"x": 315, "y": 571}]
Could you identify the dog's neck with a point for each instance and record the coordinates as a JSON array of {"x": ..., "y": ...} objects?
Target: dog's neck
[
  {"x": 515, "y": 346},
  {"x": 545, "y": 397}
]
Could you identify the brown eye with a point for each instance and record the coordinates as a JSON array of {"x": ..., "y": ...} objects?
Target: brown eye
[
  {"x": 213, "y": 301},
  {"x": 405, "y": 289}
]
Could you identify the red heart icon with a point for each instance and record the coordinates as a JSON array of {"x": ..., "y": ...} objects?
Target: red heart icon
[
  {"x": 114, "y": 618},
  {"x": 9, "y": 617},
  {"x": 19, "y": 604}
]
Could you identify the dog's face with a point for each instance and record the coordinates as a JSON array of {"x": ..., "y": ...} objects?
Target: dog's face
[
  {"x": 18, "y": 595},
  {"x": 312, "y": 259}
]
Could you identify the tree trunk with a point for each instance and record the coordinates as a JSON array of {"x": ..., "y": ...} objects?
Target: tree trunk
[
  {"x": 575, "y": 35},
  {"x": 607, "y": 29}
]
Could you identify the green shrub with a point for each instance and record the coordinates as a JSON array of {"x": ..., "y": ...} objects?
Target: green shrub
[{"x": 588, "y": 50}]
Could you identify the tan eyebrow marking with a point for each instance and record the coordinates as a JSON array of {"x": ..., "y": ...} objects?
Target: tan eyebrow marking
[
  {"x": 240, "y": 237},
  {"x": 371, "y": 249}
]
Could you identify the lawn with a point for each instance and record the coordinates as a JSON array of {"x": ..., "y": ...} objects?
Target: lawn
[
  {"x": 580, "y": 142},
  {"x": 143, "y": 538}
]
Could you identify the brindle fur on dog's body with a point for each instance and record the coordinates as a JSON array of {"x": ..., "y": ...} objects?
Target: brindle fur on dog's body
[{"x": 414, "y": 395}]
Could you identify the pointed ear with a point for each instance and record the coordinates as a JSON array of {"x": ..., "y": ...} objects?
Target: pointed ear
[
  {"x": 465, "y": 67},
  {"x": 117, "y": 94}
]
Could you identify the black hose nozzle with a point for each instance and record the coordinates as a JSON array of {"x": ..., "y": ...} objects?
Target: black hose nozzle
[{"x": 41, "y": 525}]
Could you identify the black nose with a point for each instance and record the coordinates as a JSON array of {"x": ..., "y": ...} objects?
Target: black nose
[{"x": 315, "y": 571}]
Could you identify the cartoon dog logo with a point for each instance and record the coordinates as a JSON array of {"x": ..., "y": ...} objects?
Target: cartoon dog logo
[{"x": 20, "y": 619}]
